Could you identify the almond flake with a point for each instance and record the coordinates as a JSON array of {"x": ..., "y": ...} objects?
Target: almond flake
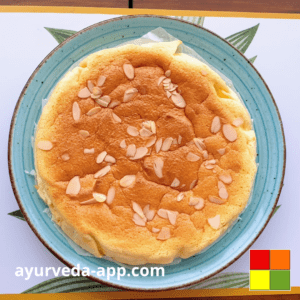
[
  {"x": 174, "y": 142},
  {"x": 110, "y": 159},
  {"x": 84, "y": 93},
  {"x": 150, "y": 125},
  {"x": 90, "y": 201},
  {"x": 138, "y": 220},
  {"x": 123, "y": 144},
  {"x": 93, "y": 111},
  {"x": 212, "y": 162},
  {"x": 110, "y": 195},
  {"x": 150, "y": 215},
  {"x": 102, "y": 172},
  {"x": 158, "y": 145},
  {"x": 129, "y": 71},
  {"x": 209, "y": 167},
  {"x": 167, "y": 144},
  {"x": 127, "y": 180},
  {"x": 175, "y": 183},
  {"x": 131, "y": 150},
  {"x": 221, "y": 151},
  {"x": 238, "y": 122},
  {"x": 89, "y": 151},
  {"x": 163, "y": 213},
  {"x": 168, "y": 73},
  {"x": 130, "y": 94},
  {"x": 146, "y": 209},
  {"x": 199, "y": 143},
  {"x": 84, "y": 133},
  {"x": 103, "y": 101},
  {"x": 193, "y": 184},
  {"x": 99, "y": 197},
  {"x": 221, "y": 185},
  {"x": 216, "y": 200},
  {"x": 200, "y": 204},
  {"x": 229, "y": 132},
  {"x": 226, "y": 178},
  {"x": 97, "y": 91},
  {"x": 167, "y": 81},
  {"x": 223, "y": 193},
  {"x": 160, "y": 79},
  {"x": 114, "y": 103},
  {"x": 179, "y": 139},
  {"x": 133, "y": 131},
  {"x": 140, "y": 153},
  {"x": 172, "y": 216},
  {"x": 116, "y": 118},
  {"x": 155, "y": 230},
  {"x": 45, "y": 145},
  {"x": 101, "y": 157},
  {"x": 90, "y": 85},
  {"x": 74, "y": 186},
  {"x": 164, "y": 234},
  {"x": 168, "y": 94},
  {"x": 214, "y": 222},
  {"x": 180, "y": 196},
  {"x": 178, "y": 100},
  {"x": 158, "y": 166},
  {"x": 137, "y": 208},
  {"x": 205, "y": 154},
  {"x": 215, "y": 125},
  {"x": 192, "y": 157},
  {"x": 193, "y": 201},
  {"x": 65, "y": 157},
  {"x": 76, "y": 111},
  {"x": 101, "y": 80},
  {"x": 151, "y": 141},
  {"x": 145, "y": 132}
]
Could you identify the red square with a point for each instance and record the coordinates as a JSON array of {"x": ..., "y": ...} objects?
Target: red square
[{"x": 259, "y": 259}]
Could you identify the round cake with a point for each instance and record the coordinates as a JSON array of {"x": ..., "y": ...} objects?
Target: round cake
[{"x": 144, "y": 154}]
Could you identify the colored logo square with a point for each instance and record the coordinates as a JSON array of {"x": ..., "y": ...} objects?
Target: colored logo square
[
  {"x": 280, "y": 280},
  {"x": 259, "y": 259},
  {"x": 280, "y": 259},
  {"x": 259, "y": 280}
]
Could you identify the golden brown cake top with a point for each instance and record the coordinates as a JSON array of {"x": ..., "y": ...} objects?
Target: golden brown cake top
[{"x": 144, "y": 154}]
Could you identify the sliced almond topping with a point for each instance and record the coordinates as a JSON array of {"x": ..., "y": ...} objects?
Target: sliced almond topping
[
  {"x": 103, "y": 101},
  {"x": 223, "y": 193},
  {"x": 199, "y": 143},
  {"x": 167, "y": 144},
  {"x": 214, "y": 222},
  {"x": 101, "y": 157},
  {"x": 180, "y": 196},
  {"x": 99, "y": 197},
  {"x": 221, "y": 185},
  {"x": 133, "y": 131},
  {"x": 194, "y": 201},
  {"x": 158, "y": 145},
  {"x": 96, "y": 93},
  {"x": 151, "y": 141},
  {"x": 145, "y": 132},
  {"x": 168, "y": 73},
  {"x": 229, "y": 132},
  {"x": 211, "y": 162},
  {"x": 102, "y": 172},
  {"x": 84, "y": 93},
  {"x": 158, "y": 166},
  {"x": 175, "y": 183},
  {"x": 89, "y": 151},
  {"x": 178, "y": 100},
  {"x": 76, "y": 111},
  {"x": 192, "y": 157},
  {"x": 65, "y": 157},
  {"x": 84, "y": 133},
  {"x": 215, "y": 125},
  {"x": 129, "y": 71},
  {"x": 163, "y": 213},
  {"x": 93, "y": 111},
  {"x": 168, "y": 94},
  {"x": 45, "y": 145},
  {"x": 123, "y": 144},
  {"x": 200, "y": 204},
  {"x": 155, "y": 230},
  {"x": 150, "y": 215},
  {"x": 172, "y": 216},
  {"x": 127, "y": 180},
  {"x": 90, "y": 201},
  {"x": 179, "y": 139},
  {"x": 146, "y": 209},
  {"x": 174, "y": 142},
  {"x": 110, "y": 195},
  {"x": 167, "y": 81},
  {"x": 74, "y": 186},
  {"x": 116, "y": 118},
  {"x": 137, "y": 208},
  {"x": 150, "y": 125},
  {"x": 226, "y": 178},
  {"x": 114, "y": 103},
  {"x": 221, "y": 151},
  {"x": 160, "y": 79},
  {"x": 130, "y": 94},
  {"x": 101, "y": 80},
  {"x": 131, "y": 150},
  {"x": 138, "y": 220},
  {"x": 205, "y": 154},
  {"x": 140, "y": 153},
  {"x": 110, "y": 159},
  {"x": 193, "y": 184},
  {"x": 216, "y": 200},
  {"x": 209, "y": 167},
  {"x": 90, "y": 86},
  {"x": 238, "y": 122},
  {"x": 164, "y": 234}
]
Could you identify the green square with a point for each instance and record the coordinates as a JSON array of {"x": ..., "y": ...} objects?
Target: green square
[
  {"x": 259, "y": 280},
  {"x": 280, "y": 280}
]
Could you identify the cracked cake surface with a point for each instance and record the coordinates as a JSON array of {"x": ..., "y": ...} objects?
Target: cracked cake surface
[{"x": 144, "y": 154}]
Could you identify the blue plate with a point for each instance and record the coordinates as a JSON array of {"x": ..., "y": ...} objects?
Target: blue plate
[{"x": 221, "y": 55}]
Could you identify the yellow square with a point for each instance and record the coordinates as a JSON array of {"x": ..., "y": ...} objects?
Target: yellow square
[{"x": 259, "y": 280}]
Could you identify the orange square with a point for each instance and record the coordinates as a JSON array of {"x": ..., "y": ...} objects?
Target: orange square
[{"x": 280, "y": 259}]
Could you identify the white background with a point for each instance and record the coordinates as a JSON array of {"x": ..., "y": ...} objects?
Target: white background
[{"x": 24, "y": 44}]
